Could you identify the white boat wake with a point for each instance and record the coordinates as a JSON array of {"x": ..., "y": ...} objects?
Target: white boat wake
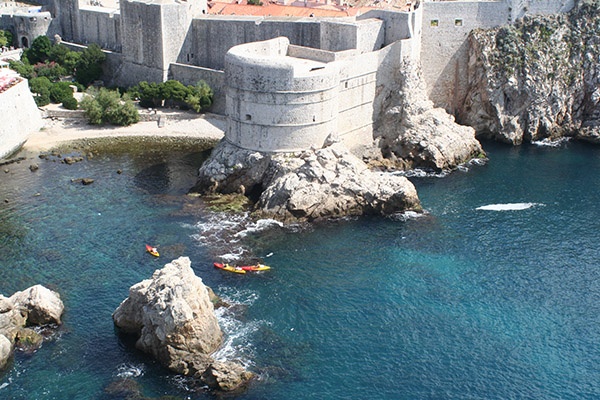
[{"x": 507, "y": 207}]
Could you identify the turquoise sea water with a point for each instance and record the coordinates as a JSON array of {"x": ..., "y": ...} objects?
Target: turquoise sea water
[{"x": 461, "y": 303}]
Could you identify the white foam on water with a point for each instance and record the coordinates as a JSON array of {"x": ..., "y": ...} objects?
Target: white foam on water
[
  {"x": 258, "y": 226},
  {"x": 550, "y": 143},
  {"x": 237, "y": 344},
  {"x": 130, "y": 370},
  {"x": 5, "y": 384},
  {"x": 507, "y": 207},
  {"x": 407, "y": 215}
]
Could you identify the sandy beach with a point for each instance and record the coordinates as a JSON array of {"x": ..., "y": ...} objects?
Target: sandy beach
[{"x": 62, "y": 130}]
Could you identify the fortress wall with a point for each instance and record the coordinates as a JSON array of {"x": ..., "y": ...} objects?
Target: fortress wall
[
  {"x": 26, "y": 27},
  {"x": 278, "y": 103},
  {"x": 141, "y": 32},
  {"x": 444, "y": 48},
  {"x": 20, "y": 117},
  {"x": 190, "y": 75},
  {"x": 213, "y": 37},
  {"x": 357, "y": 90},
  {"x": 364, "y": 35},
  {"x": 539, "y": 7},
  {"x": 101, "y": 26},
  {"x": 398, "y": 25}
]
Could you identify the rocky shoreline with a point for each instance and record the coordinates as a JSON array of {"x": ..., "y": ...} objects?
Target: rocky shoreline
[{"x": 20, "y": 313}]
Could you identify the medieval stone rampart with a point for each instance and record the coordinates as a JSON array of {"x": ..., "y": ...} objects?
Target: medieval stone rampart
[
  {"x": 20, "y": 117},
  {"x": 101, "y": 26},
  {"x": 276, "y": 102},
  {"x": 212, "y": 36}
]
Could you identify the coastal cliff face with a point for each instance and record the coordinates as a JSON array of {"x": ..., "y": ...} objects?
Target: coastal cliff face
[
  {"x": 413, "y": 133},
  {"x": 536, "y": 79}
]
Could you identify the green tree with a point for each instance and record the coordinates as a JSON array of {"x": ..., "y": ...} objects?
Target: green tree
[
  {"x": 23, "y": 69},
  {"x": 200, "y": 96},
  {"x": 40, "y": 87},
  {"x": 6, "y": 38},
  {"x": 39, "y": 50},
  {"x": 149, "y": 94},
  {"x": 50, "y": 69},
  {"x": 174, "y": 92},
  {"x": 89, "y": 66}
]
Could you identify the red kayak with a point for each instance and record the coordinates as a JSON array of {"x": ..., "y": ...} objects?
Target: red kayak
[
  {"x": 152, "y": 250},
  {"x": 257, "y": 267}
]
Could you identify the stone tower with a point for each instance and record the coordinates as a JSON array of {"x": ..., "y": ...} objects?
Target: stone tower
[
  {"x": 153, "y": 32},
  {"x": 67, "y": 13}
]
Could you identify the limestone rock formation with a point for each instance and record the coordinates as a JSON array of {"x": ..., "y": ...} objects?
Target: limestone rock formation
[
  {"x": 34, "y": 306},
  {"x": 5, "y": 350},
  {"x": 225, "y": 376},
  {"x": 315, "y": 184},
  {"x": 536, "y": 79},
  {"x": 414, "y": 134},
  {"x": 174, "y": 318},
  {"x": 42, "y": 305}
]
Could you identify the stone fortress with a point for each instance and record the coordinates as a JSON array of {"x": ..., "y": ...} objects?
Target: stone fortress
[{"x": 288, "y": 82}]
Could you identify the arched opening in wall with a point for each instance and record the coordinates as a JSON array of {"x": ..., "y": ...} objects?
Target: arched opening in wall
[{"x": 24, "y": 42}]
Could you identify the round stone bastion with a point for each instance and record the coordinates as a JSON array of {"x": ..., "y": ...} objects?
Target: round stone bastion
[{"x": 277, "y": 103}]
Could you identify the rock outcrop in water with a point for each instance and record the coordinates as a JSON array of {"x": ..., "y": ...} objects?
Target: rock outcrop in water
[
  {"x": 315, "y": 184},
  {"x": 414, "y": 134},
  {"x": 173, "y": 317},
  {"x": 536, "y": 79},
  {"x": 34, "y": 306}
]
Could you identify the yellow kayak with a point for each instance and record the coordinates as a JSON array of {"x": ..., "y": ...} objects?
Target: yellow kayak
[{"x": 230, "y": 268}]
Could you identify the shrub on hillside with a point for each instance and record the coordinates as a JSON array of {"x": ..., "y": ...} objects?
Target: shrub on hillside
[
  {"x": 40, "y": 87},
  {"x": 70, "y": 103},
  {"x": 107, "y": 106},
  {"x": 60, "y": 91},
  {"x": 23, "y": 69}
]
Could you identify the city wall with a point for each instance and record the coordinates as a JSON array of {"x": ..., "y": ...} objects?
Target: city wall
[
  {"x": 21, "y": 117},
  {"x": 101, "y": 26},
  {"x": 444, "y": 47}
]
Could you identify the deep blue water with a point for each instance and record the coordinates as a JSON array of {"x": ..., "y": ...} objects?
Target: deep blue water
[{"x": 458, "y": 304}]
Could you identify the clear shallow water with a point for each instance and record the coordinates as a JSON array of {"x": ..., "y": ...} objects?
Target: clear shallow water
[{"x": 461, "y": 303}]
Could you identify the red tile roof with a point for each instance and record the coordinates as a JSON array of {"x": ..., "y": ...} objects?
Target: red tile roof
[{"x": 279, "y": 10}]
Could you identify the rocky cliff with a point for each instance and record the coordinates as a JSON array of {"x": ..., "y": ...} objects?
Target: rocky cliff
[
  {"x": 314, "y": 184},
  {"x": 412, "y": 133},
  {"x": 536, "y": 79}
]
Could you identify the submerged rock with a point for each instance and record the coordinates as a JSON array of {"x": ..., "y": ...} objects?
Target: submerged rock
[{"x": 173, "y": 317}]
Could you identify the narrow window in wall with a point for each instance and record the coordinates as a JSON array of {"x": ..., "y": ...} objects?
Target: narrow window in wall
[
  {"x": 188, "y": 58},
  {"x": 458, "y": 22},
  {"x": 434, "y": 22},
  {"x": 248, "y": 117},
  {"x": 346, "y": 85},
  {"x": 314, "y": 118}
]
